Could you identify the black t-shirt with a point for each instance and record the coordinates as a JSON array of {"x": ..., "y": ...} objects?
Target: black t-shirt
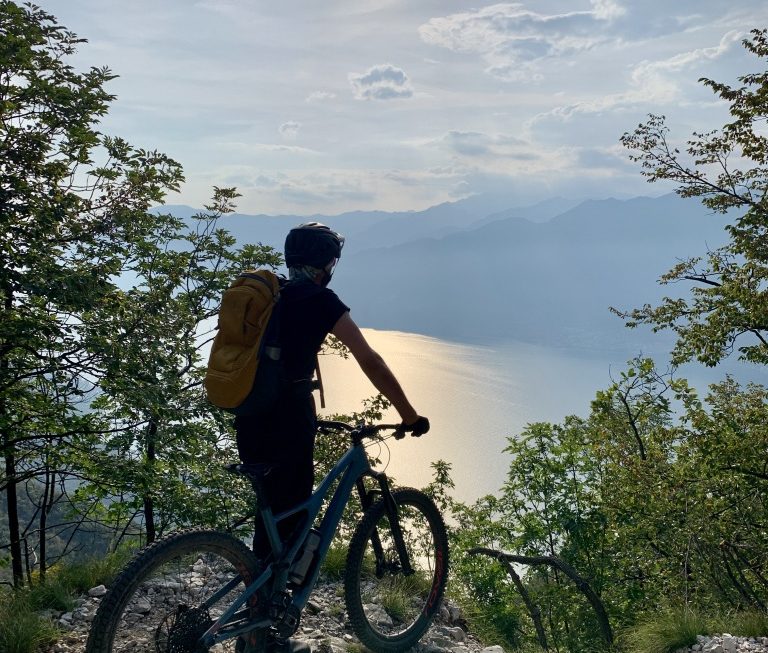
[{"x": 308, "y": 313}]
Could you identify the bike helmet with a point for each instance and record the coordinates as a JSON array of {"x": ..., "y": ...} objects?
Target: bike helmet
[{"x": 312, "y": 244}]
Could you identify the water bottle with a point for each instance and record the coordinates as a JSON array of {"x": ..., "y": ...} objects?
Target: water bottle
[{"x": 299, "y": 570}]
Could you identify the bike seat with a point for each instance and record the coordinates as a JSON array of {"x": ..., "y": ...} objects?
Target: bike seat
[{"x": 252, "y": 471}]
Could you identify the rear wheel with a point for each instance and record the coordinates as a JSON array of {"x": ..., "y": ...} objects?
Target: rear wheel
[
  {"x": 164, "y": 599},
  {"x": 389, "y": 607}
]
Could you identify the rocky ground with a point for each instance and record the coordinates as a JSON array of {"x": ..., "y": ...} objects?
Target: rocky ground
[
  {"x": 728, "y": 644},
  {"x": 324, "y": 625}
]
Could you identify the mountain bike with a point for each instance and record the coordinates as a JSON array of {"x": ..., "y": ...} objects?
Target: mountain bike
[{"x": 204, "y": 590}]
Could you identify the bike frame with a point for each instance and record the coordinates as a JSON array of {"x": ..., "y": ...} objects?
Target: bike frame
[{"x": 351, "y": 468}]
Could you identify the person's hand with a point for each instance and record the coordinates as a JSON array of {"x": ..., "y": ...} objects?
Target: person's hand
[{"x": 418, "y": 427}]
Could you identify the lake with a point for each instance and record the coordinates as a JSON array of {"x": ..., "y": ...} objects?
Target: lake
[{"x": 476, "y": 396}]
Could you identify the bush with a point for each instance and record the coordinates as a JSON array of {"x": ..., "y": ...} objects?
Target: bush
[
  {"x": 748, "y": 624},
  {"x": 335, "y": 562},
  {"x": 667, "y": 632},
  {"x": 22, "y": 629},
  {"x": 52, "y": 595},
  {"x": 64, "y": 582},
  {"x": 82, "y": 576}
]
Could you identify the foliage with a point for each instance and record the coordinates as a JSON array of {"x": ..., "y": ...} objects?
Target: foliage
[
  {"x": 654, "y": 512},
  {"x": 335, "y": 562},
  {"x": 749, "y": 623},
  {"x": 728, "y": 170},
  {"x": 68, "y": 224},
  {"x": 164, "y": 436},
  {"x": 667, "y": 632},
  {"x": 106, "y": 308},
  {"x": 22, "y": 630}
]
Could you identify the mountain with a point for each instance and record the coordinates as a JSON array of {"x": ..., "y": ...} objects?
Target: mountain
[
  {"x": 364, "y": 229},
  {"x": 550, "y": 283},
  {"x": 546, "y": 273}
]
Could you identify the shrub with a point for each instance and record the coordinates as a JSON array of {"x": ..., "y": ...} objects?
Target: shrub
[
  {"x": 667, "y": 632},
  {"x": 335, "y": 562},
  {"x": 22, "y": 629},
  {"x": 748, "y": 624}
]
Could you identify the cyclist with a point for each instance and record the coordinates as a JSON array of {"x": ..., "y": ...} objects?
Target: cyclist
[{"x": 286, "y": 436}]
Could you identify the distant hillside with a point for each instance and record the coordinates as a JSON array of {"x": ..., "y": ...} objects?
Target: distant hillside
[
  {"x": 470, "y": 271},
  {"x": 549, "y": 283},
  {"x": 364, "y": 229}
]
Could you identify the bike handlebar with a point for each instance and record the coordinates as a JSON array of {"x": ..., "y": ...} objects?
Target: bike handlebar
[{"x": 362, "y": 430}]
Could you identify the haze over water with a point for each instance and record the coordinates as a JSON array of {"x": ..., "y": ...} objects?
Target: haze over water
[{"x": 477, "y": 396}]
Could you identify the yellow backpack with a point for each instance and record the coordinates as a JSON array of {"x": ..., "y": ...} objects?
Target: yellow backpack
[{"x": 240, "y": 347}]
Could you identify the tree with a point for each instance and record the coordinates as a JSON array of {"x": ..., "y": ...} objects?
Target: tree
[
  {"x": 727, "y": 169},
  {"x": 68, "y": 225},
  {"x": 166, "y": 443}
]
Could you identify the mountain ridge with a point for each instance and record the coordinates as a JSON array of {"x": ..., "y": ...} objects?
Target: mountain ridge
[{"x": 471, "y": 277}]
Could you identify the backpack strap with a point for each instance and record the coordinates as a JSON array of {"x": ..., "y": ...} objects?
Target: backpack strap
[
  {"x": 309, "y": 289},
  {"x": 319, "y": 381}
]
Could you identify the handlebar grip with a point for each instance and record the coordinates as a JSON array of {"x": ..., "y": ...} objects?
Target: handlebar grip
[{"x": 417, "y": 429}]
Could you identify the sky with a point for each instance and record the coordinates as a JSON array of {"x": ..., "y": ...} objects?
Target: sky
[{"x": 326, "y": 106}]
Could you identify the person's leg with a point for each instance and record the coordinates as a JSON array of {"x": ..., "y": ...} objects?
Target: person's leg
[{"x": 285, "y": 439}]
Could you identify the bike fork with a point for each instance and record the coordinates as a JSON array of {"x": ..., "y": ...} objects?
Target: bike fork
[{"x": 394, "y": 524}]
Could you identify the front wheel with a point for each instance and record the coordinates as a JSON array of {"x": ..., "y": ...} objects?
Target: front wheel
[
  {"x": 171, "y": 593},
  {"x": 391, "y": 607}
]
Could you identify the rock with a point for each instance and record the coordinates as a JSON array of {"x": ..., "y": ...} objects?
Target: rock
[
  {"x": 322, "y": 625},
  {"x": 434, "y": 648},
  {"x": 378, "y": 614},
  {"x": 99, "y": 590},
  {"x": 493, "y": 649},
  {"x": 141, "y": 606},
  {"x": 443, "y": 642},
  {"x": 457, "y": 634}
]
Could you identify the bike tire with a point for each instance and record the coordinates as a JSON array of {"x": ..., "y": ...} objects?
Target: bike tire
[
  {"x": 141, "y": 612},
  {"x": 389, "y": 611}
]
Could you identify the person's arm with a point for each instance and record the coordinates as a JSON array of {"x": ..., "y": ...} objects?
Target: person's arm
[{"x": 374, "y": 367}]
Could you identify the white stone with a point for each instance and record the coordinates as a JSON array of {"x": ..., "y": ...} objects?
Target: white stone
[
  {"x": 99, "y": 590},
  {"x": 378, "y": 614},
  {"x": 493, "y": 649},
  {"x": 441, "y": 642},
  {"x": 141, "y": 606}
]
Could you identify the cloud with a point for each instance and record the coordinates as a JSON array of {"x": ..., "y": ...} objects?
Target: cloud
[
  {"x": 508, "y": 35},
  {"x": 687, "y": 59},
  {"x": 477, "y": 144},
  {"x": 320, "y": 96},
  {"x": 650, "y": 82},
  {"x": 607, "y": 9},
  {"x": 290, "y": 129},
  {"x": 381, "y": 82}
]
